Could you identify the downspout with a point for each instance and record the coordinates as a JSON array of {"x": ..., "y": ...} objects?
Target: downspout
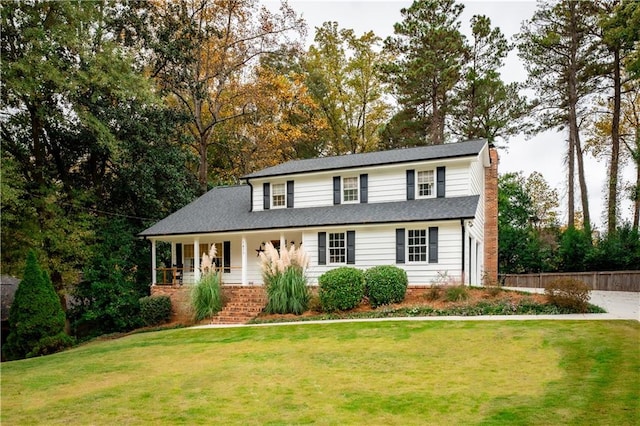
[{"x": 463, "y": 240}]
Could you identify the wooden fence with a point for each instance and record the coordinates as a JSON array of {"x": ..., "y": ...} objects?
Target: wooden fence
[{"x": 610, "y": 281}]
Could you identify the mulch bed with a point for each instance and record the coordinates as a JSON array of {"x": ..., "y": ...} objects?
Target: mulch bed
[{"x": 419, "y": 297}]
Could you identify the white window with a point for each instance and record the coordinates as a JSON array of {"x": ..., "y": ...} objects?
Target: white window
[
  {"x": 425, "y": 184},
  {"x": 337, "y": 248},
  {"x": 350, "y": 189},
  {"x": 417, "y": 245},
  {"x": 278, "y": 195}
]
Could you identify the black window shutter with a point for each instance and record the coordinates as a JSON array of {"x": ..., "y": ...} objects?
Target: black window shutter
[
  {"x": 400, "y": 245},
  {"x": 289, "y": 194},
  {"x": 411, "y": 182},
  {"x": 364, "y": 188},
  {"x": 351, "y": 247},
  {"x": 440, "y": 172},
  {"x": 336, "y": 190},
  {"x": 266, "y": 196},
  {"x": 433, "y": 244},
  {"x": 226, "y": 256},
  {"x": 322, "y": 248}
]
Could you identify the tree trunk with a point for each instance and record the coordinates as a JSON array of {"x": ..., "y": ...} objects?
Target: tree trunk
[
  {"x": 612, "y": 200},
  {"x": 636, "y": 200},
  {"x": 203, "y": 167},
  {"x": 571, "y": 210},
  {"x": 583, "y": 188}
]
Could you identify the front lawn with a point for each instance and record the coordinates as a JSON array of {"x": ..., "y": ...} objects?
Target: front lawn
[{"x": 405, "y": 372}]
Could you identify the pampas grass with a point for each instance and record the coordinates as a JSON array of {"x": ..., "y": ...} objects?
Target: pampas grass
[
  {"x": 284, "y": 277},
  {"x": 206, "y": 297}
]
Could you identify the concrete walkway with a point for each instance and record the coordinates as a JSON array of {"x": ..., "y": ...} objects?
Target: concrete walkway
[{"x": 620, "y": 305}]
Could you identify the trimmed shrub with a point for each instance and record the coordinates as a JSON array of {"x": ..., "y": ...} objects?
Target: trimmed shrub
[
  {"x": 155, "y": 310},
  {"x": 206, "y": 297},
  {"x": 385, "y": 284},
  {"x": 36, "y": 318},
  {"x": 52, "y": 344},
  {"x": 457, "y": 293},
  {"x": 569, "y": 294},
  {"x": 341, "y": 289}
]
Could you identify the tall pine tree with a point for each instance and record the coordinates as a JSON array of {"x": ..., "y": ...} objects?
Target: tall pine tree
[{"x": 428, "y": 53}]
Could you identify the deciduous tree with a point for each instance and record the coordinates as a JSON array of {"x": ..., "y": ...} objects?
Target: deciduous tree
[
  {"x": 204, "y": 52},
  {"x": 343, "y": 80}
]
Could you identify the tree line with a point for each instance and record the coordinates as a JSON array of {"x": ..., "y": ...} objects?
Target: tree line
[{"x": 116, "y": 113}]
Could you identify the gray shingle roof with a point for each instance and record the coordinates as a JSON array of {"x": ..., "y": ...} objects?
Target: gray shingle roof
[
  {"x": 226, "y": 209},
  {"x": 452, "y": 150}
]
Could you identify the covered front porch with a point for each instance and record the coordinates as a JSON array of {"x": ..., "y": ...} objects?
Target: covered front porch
[{"x": 175, "y": 260}]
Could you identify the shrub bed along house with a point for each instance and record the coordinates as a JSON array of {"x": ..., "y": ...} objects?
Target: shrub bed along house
[
  {"x": 385, "y": 284},
  {"x": 341, "y": 289}
]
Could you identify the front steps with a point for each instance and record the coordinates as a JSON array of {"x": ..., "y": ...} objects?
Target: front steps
[{"x": 243, "y": 304}]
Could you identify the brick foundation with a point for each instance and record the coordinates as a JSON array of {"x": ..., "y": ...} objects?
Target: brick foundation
[{"x": 491, "y": 216}]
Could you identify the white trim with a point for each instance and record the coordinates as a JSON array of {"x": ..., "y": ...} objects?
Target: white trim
[
  {"x": 273, "y": 194},
  {"x": 154, "y": 273},
  {"x": 433, "y": 184},
  {"x": 245, "y": 262},
  {"x": 343, "y": 187},
  {"x": 196, "y": 259}
]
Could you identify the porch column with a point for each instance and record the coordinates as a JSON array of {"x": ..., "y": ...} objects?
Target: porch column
[
  {"x": 196, "y": 259},
  {"x": 282, "y": 241},
  {"x": 154, "y": 273},
  {"x": 244, "y": 261},
  {"x": 173, "y": 253}
]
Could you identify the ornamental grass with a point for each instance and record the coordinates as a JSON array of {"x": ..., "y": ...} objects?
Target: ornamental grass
[
  {"x": 206, "y": 295},
  {"x": 283, "y": 272}
]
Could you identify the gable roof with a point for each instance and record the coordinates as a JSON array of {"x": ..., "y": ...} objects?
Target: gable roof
[
  {"x": 227, "y": 209},
  {"x": 405, "y": 155}
]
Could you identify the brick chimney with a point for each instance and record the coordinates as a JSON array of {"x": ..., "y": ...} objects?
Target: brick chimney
[{"x": 491, "y": 216}]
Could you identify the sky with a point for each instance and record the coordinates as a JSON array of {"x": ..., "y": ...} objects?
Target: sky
[{"x": 545, "y": 152}]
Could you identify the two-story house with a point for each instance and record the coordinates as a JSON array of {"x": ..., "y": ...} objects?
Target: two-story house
[{"x": 429, "y": 210}]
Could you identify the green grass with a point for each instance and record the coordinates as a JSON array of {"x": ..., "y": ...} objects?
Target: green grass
[{"x": 406, "y": 372}]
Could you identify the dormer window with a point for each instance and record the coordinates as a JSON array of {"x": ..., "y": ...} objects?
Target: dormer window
[
  {"x": 350, "y": 190},
  {"x": 425, "y": 184},
  {"x": 278, "y": 195}
]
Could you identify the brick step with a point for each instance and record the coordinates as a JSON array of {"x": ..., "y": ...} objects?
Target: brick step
[{"x": 243, "y": 304}]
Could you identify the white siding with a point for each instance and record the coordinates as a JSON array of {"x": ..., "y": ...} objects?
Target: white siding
[
  {"x": 386, "y": 183},
  {"x": 312, "y": 191},
  {"x": 375, "y": 245}
]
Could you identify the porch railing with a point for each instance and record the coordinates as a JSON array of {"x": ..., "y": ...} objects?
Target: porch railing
[{"x": 180, "y": 276}]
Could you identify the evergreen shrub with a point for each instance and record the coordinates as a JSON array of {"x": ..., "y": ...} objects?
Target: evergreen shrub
[
  {"x": 36, "y": 318},
  {"x": 569, "y": 294},
  {"x": 341, "y": 289},
  {"x": 155, "y": 310},
  {"x": 385, "y": 284}
]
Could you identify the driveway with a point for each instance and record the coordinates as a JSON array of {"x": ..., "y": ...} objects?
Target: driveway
[{"x": 618, "y": 304}]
